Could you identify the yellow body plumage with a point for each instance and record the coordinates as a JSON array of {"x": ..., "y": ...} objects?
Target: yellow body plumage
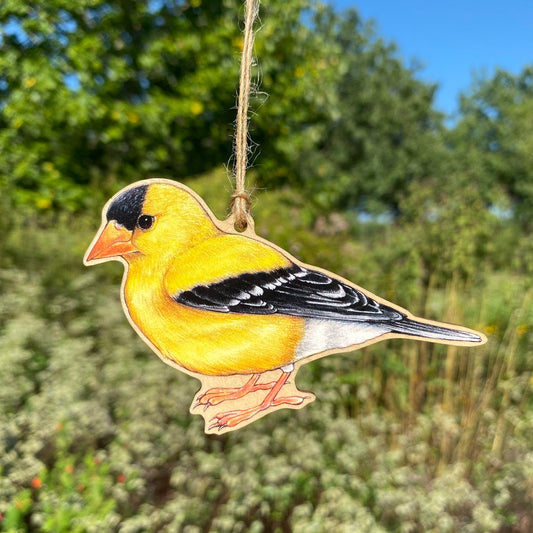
[
  {"x": 209, "y": 342},
  {"x": 200, "y": 341}
]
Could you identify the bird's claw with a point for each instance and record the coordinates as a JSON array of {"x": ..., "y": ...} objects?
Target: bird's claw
[
  {"x": 231, "y": 418},
  {"x": 212, "y": 397},
  {"x": 199, "y": 403},
  {"x": 235, "y": 418},
  {"x": 218, "y": 395}
]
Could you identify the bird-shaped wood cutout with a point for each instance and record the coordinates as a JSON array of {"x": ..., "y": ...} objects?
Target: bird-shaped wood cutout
[{"x": 234, "y": 310}]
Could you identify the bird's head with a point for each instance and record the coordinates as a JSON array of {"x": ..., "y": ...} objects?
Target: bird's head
[{"x": 155, "y": 218}]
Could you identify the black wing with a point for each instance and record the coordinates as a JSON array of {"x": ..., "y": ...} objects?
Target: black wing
[{"x": 290, "y": 291}]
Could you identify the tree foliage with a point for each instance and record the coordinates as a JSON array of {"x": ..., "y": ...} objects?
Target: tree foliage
[
  {"x": 494, "y": 139},
  {"x": 379, "y": 131},
  {"x": 98, "y": 93},
  {"x": 95, "y": 91},
  {"x": 102, "y": 91}
]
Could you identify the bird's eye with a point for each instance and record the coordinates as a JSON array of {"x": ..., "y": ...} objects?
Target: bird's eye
[{"x": 145, "y": 222}]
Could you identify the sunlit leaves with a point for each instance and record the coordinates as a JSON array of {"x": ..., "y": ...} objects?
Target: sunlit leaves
[{"x": 495, "y": 135}]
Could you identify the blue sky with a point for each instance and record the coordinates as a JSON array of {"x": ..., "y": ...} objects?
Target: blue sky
[{"x": 454, "y": 39}]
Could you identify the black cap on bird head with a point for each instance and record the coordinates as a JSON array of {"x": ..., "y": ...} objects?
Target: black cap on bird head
[{"x": 126, "y": 208}]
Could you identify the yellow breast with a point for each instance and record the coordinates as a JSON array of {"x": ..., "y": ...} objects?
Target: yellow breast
[{"x": 209, "y": 342}]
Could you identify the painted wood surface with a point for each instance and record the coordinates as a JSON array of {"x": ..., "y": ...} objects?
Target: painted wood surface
[{"x": 234, "y": 310}]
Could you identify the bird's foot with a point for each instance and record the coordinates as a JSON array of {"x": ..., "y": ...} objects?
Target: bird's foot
[
  {"x": 232, "y": 419},
  {"x": 218, "y": 395}
]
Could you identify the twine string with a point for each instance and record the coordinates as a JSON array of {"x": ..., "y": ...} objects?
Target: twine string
[{"x": 240, "y": 200}]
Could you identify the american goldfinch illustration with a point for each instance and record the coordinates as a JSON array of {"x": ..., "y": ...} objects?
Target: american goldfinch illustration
[{"x": 216, "y": 303}]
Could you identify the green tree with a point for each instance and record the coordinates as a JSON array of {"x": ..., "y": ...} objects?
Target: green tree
[
  {"x": 107, "y": 91},
  {"x": 95, "y": 91},
  {"x": 494, "y": 139},
  {"x": 101, "y": 91},
  {"x": 379, "y": 131}
]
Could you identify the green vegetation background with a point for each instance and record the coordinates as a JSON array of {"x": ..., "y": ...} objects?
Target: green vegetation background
[{"x": 355, "y": 171}]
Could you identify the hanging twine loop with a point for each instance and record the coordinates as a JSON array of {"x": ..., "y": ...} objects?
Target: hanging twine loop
[{"x": 240, "y": 200}]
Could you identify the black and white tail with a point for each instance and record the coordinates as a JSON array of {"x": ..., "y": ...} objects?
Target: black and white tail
[{"x": 430, "y": 331}]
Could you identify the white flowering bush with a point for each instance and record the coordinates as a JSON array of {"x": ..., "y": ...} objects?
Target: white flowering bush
[{"x": 95, "y": 433}]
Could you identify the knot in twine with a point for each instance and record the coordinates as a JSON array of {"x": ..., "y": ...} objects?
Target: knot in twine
[{"x": 240, "y": 207}]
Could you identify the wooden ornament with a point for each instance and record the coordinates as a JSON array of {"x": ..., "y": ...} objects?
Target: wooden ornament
[{"x": 234, "y": 310}]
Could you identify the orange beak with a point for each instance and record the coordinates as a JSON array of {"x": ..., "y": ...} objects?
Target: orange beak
[{"x": 113, "y": 240}]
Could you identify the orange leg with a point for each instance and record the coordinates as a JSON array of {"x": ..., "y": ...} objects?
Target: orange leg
[
  {"x": 234, "y": 418},
  {"x": 219, "y": 395}
]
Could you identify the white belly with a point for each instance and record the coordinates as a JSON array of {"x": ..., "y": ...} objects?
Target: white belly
[{"x": 322, "y": 335}]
